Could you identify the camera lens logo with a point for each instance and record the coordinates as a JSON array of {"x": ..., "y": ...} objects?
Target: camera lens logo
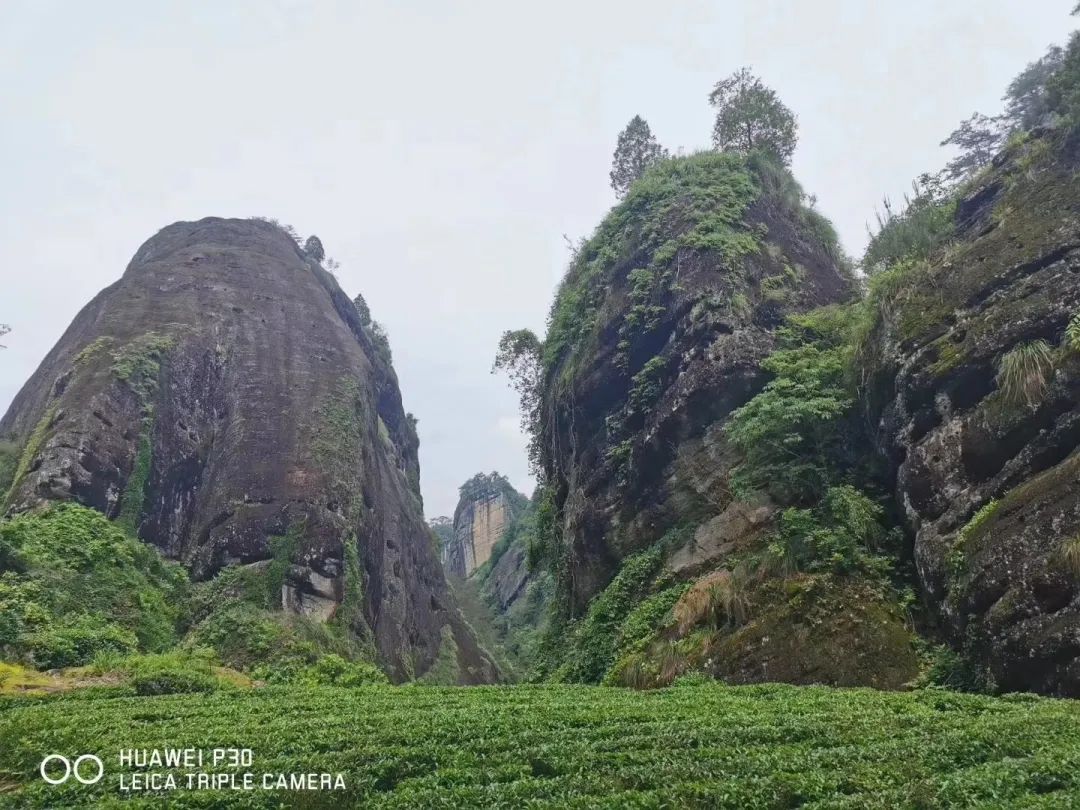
[{"x": 56, "y": 769}]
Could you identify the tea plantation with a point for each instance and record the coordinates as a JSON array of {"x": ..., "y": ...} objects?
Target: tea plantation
[{"x": 691, "y": 745}]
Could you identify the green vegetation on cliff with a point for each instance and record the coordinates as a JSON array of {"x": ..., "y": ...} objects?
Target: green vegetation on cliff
[
  {"x": 689, "y": 387},
  {"x": 697, "y": 203},
  {"x": 77, "y": 589},
  {"x": 74, "y": 585},
  {"x": 710, "y": 213}
]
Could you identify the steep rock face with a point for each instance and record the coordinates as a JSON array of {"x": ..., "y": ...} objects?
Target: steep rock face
[
  {"x": 224, "y": 401},
  {"x": 656, "y": 335},
  {"x": 990, "y": 483},
  {"x": 486, "y": 508},
  {"x": 510, "y": 576}
]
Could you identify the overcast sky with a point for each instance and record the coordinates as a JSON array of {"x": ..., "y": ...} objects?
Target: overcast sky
[{"x": 441, "y": 149}]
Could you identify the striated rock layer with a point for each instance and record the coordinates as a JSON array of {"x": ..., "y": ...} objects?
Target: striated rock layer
[{"x": 224, "y": 400}]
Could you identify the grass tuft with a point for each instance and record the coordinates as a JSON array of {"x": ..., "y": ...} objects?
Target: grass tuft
[{"x": 1024, "y": 374}]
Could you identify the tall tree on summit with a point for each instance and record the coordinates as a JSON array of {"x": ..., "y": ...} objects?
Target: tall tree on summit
[
  {"x": 749, "y": 116},
  {"x": 636, "y": 150}
]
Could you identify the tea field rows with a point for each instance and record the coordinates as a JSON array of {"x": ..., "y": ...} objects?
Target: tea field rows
[{"x": 702, "y": 745}]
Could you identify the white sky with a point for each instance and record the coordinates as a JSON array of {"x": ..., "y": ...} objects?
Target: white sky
[{"x": 441, "y": 149}]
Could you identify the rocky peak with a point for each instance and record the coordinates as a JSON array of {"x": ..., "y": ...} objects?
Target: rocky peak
[
  {"x": 224, "y": 401},
  {"x": 486, "y": 507},
  {"x": 656, "y": 335}
]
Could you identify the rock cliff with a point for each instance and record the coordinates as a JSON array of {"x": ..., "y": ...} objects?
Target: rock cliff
[
  {"x": 505, "y": 601},
  {"x": 656, "y": 335},
  {"x": 487, "y": 506},
  {"x": 688, "y": 307},
  {"x": 978, "y": 384},
  {"x": 224, "y": 401}
]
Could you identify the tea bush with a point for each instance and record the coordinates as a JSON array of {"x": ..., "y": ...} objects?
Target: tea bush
[{"x": 691, "y": 746}]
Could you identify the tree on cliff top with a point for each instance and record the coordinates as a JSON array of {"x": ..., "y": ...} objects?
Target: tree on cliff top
[
  {"x": 313, "y": 249},
  {"x": 636, "y": 150},
  {"x": 484, "y": 485},
  {"x": 362, "y": 310},
  {"x": 749, "y": 115},
  {"x": 978, "y": 138},
  {"x": 1027, "y": 101}
]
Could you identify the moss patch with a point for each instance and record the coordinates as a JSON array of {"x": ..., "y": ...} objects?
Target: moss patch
[
  {"x": 283, "y": 549},
  {"x": 90, "y": 350},
  {"x": 337, "y": 440},
  {"x": 134, "y": 498},
  {"x": 31, "y": 449},
  {"x": 138, "y": 364}
]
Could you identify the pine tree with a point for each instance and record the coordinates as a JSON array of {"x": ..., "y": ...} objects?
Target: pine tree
[{"x": 636, "y": 150}]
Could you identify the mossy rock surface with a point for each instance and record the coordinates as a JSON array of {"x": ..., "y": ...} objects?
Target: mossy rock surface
[
  {"x": 1009, "y": 280},
  {"x": 819, "y": 630},
  {"x": 655, "y": 336}
]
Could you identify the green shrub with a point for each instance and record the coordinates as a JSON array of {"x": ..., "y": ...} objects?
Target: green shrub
[
  {"x": 333, "y": 670},
  {"x": 979, "y": 519},
  {"x": 77, "y": 584},
  {"x": 800, "y": 434},
  {"x": 842, "y": 534},
  {"x": 645, "y": 385},
  {"x": 326, "y": 670},
  {"x": 692, "y": 679},
  {"x": 1069, "y": 556},
  {"x": 1072, "y": 333},
  {"x": 76, "y": 639},
  {"x": 647, "y": 617},
  {"x": 952, "y": 670},
  {"x": 272, "y": 645},
  {"x": 591, "y": 647},
  {"x": 175, "y": 672},
  {"x": 923, "y": 224},
  {"x": 242, "y": 635}
]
